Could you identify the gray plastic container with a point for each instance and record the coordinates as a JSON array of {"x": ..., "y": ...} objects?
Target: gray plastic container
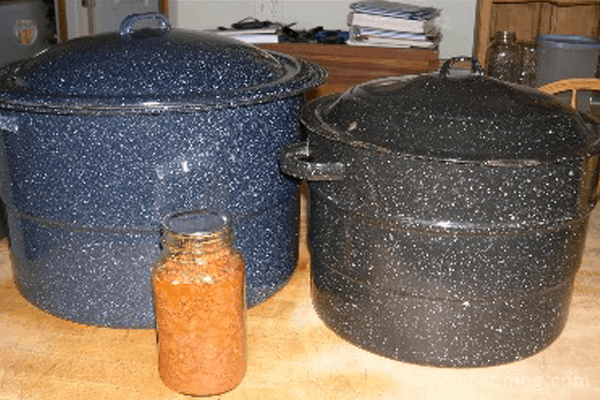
[{"x": 567, "y": 56}]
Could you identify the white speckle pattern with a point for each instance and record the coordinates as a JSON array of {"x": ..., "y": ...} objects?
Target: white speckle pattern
[
  {"x": 86, "y": 196},
  {"x": 425, "y": 251},
  {"x": 104, "y": 136}
]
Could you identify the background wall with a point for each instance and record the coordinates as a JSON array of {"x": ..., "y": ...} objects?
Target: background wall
[
  {"x": 10, "y": 13},
  {"x": 457, "y": 20}
]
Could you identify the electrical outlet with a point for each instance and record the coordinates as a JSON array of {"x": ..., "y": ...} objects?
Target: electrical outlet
[{"x": 268, "y": 10}]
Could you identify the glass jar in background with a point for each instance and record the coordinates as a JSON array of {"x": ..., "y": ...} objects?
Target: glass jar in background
[
  {"x": 503, "y": 58},
  {"x": 528, "y": 63},
  {"x": 198, "y": 283}
]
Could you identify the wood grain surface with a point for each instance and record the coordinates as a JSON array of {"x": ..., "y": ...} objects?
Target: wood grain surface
[
  {"x": 292, "y": 355},
  {"x": 530, "y": 18},
  {"x": 351, "y": 65}
]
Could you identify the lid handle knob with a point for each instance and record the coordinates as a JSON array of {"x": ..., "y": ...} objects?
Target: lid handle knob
[
  {"x": 475, "y": 65},
  {"x": 126, "y": 27}
]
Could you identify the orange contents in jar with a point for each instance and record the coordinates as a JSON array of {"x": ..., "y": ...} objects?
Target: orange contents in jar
[{"x": 200, "y": 313}]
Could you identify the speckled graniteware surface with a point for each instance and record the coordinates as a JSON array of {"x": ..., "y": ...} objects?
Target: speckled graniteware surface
[
  {"x": 448, "y": 216},
  {"x": 104, "y": 136}
]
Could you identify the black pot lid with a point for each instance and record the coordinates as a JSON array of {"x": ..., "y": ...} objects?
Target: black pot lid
[
  {"x": 153, "y": 69},
  {"x": 453, "y": 117}
]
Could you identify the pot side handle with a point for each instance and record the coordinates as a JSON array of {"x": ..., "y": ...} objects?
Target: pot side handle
[
  {"x": 126, "y": 27},
  {"x": 296, "y": 161}
]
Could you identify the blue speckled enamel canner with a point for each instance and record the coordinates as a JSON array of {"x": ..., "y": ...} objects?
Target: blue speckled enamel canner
[{"x": 103, "y": 136}]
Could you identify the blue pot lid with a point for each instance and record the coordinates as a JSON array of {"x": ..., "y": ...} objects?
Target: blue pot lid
[
  {"x": 153, "y": 70},
  {"x": 465, "y": 118}
]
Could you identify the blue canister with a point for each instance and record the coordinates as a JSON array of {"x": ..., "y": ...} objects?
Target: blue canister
[
  {"x": 103, "y": 136},
  {"x": 567, "y": 56}
]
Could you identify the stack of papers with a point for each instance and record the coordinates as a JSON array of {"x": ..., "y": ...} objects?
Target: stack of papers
[{"x": 393, "y": 24}]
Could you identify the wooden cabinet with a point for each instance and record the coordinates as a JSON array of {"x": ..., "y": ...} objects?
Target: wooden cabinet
[
  {"x": 349, "y": 65},
  {"x": 530, "y": 18}
]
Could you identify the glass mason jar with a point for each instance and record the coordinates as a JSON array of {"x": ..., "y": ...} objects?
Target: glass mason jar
[
  {"x": 503, "y": 58},
  {"x": 198, "y": 283},
  {"x": 528, "y": 63}
]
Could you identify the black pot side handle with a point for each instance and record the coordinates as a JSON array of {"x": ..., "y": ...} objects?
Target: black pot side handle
[
  {"x": 296, "y": 161},
  {"x": 126, "y": 27},
  {"x": 476, "y": 68}
]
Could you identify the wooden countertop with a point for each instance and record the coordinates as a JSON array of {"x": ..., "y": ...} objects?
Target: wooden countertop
[{"x": 292, "y": 355}]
